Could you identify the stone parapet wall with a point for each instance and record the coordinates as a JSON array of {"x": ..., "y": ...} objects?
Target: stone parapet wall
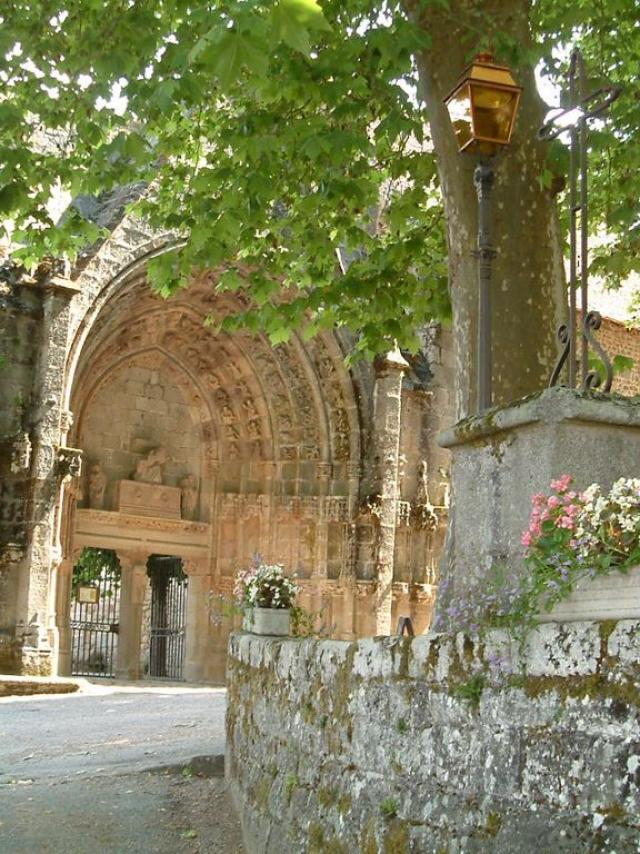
[{"x": 438, "y": 744}]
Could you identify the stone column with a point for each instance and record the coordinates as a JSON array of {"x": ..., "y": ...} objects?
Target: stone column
[
  {"x": 387, "y": 403},
  {"x": 33, "y": 590},
  {"x": 197, "y": 620},
  {"x": 132, "y": 591},
  {"x": 61, "y": 597}
]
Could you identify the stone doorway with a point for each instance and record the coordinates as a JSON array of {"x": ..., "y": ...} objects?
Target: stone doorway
[
  {"x": 167, "y": 617},
  {"x": 94, "y": 616}
]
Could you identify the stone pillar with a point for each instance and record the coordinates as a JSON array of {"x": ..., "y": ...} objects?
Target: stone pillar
[
  {"x": 132, "y": 592},
  {"x": 61, "y": 598},
  {"x": 197, "y": 620},
  {"x": 33, "y": 590},
  {"x": 504, "y": 456},
  {"x": 387, "y": 404}
]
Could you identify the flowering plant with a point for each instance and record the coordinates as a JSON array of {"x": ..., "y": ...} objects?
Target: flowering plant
[
  {"x": 573, "y": 535},
  {"x": 608, "y": 530},
  {"x": 600, "y": 529},
  {"x": 570, "y": 536},
  {"x": 264, "y": 586}
]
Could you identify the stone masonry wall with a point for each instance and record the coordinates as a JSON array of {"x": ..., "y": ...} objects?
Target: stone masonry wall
[{"x": 438, "y": 744}]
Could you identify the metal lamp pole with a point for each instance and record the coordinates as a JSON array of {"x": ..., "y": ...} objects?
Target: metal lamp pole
[{"x": 483, "y": 178}]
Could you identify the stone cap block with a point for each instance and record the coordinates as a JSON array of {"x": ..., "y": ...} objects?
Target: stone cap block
[{"x": 550, "y": 406}]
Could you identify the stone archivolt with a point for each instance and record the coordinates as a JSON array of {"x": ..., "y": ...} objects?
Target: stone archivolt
[{"x": 265, "y": 449}]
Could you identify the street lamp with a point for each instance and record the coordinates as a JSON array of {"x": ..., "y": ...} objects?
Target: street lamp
[{"x": 482, "y": 107}]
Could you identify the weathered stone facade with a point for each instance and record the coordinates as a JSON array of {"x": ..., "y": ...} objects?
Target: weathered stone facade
[
  {"x": 438, "y": 744},
  {"x": 204, "y": 446}
]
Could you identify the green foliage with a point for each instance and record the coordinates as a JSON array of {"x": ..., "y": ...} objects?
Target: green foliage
[
  {"x": 95, "y": 564},
  {"x": 275, "y": 134},
  {"x": 620, "y": 365},
  {"x": 291, "y": 783},
  {"x": 607, "y": 34},
  {"x": 471, "y": 689},
  {"x": 389, "y": 808}
]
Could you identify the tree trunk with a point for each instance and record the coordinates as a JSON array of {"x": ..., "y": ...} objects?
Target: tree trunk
[{"x": 528, "y": 277}]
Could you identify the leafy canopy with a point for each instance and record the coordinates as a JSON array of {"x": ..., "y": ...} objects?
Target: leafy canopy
[{"x": 281, "y": 141}]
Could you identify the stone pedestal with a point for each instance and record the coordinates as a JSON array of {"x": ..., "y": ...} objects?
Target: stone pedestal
[{"x": 504, "y": 456}]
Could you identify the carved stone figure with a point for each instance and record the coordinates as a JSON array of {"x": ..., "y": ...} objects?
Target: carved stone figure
[
  {"x": 445, "y": 487},
  {"x": 149, "y": 468},
  {"x": 425, "y": 513},
  {"x": 66, "y": 420},
  {"x": 21, "y": 453},
  {"x": 422, "y": 492},
  {"x": 402, "y": 467},
  {"x": 189, "y": 497},
  {"x": 69, "y": 462},
  {"x": 97, "y": 486}
]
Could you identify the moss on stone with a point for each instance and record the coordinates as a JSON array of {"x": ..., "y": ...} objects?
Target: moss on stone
[
  {"x": 309, "y": 713},
  {"x": 614, "y": 812},
  {"x": 368, "y": 844},
  {"x": 345, "y": 803},
  {"x": 605, "y": 627},
  {"x": 316, "y": 838},
  {"x": 596, "y": 685},
  {"x": 397, "y": 767},
  {"x": 405, "y": 654},
  {"x": 396, "y": 839},
  {"x": 493, "y": 824},
  {"x": 263, "y": 790},
  {"x": 290, "y": 785},
  {"x": 320, "y": 844},
  {"x": 327, "y": 796}
]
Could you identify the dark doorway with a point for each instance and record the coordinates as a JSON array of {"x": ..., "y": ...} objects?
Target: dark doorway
[
  {"x": 95, "y": 613},
  {"x": 168, "y": 617}
]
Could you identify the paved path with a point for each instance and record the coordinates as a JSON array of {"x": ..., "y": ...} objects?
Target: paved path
[{"x": 110, "y": 770}]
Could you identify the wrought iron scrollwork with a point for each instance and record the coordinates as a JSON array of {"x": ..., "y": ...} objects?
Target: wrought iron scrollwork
[
  {"x": 593, "y": 378},
  {"x": 564, "y": 338},
  {"x": 575, "y": 352}
]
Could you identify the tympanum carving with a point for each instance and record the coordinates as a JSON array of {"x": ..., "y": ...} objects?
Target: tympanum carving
[{"x": 149, "y": 468}]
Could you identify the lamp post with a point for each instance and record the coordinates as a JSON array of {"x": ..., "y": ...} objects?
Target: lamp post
[{"x": 482, "y": 107}]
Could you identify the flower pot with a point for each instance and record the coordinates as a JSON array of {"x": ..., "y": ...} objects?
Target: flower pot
[
  {"x": 247, "y": 620},
  {"x": 271, "y": 621}
]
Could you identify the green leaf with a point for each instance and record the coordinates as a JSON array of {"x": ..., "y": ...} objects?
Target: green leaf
[{"x": 293, "y": 19}]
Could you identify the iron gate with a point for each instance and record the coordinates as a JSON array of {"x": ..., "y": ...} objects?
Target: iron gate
[
  {"x": 168, "y": 617},
  {"x": 94, "y": 625}
]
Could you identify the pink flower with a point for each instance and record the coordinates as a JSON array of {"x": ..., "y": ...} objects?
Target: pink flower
[
  {"x": 553, "y": 502},
  {"x": 535, "y": 529},
  {"x": 571, "y": 510},
  {"x": 562, "y": 484},
  {"x": 539, "y": 498},
  {"x": 544, "y": 515},
  {"x": 526, "y": 538},
  {"x": 566, "y": 522}
]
